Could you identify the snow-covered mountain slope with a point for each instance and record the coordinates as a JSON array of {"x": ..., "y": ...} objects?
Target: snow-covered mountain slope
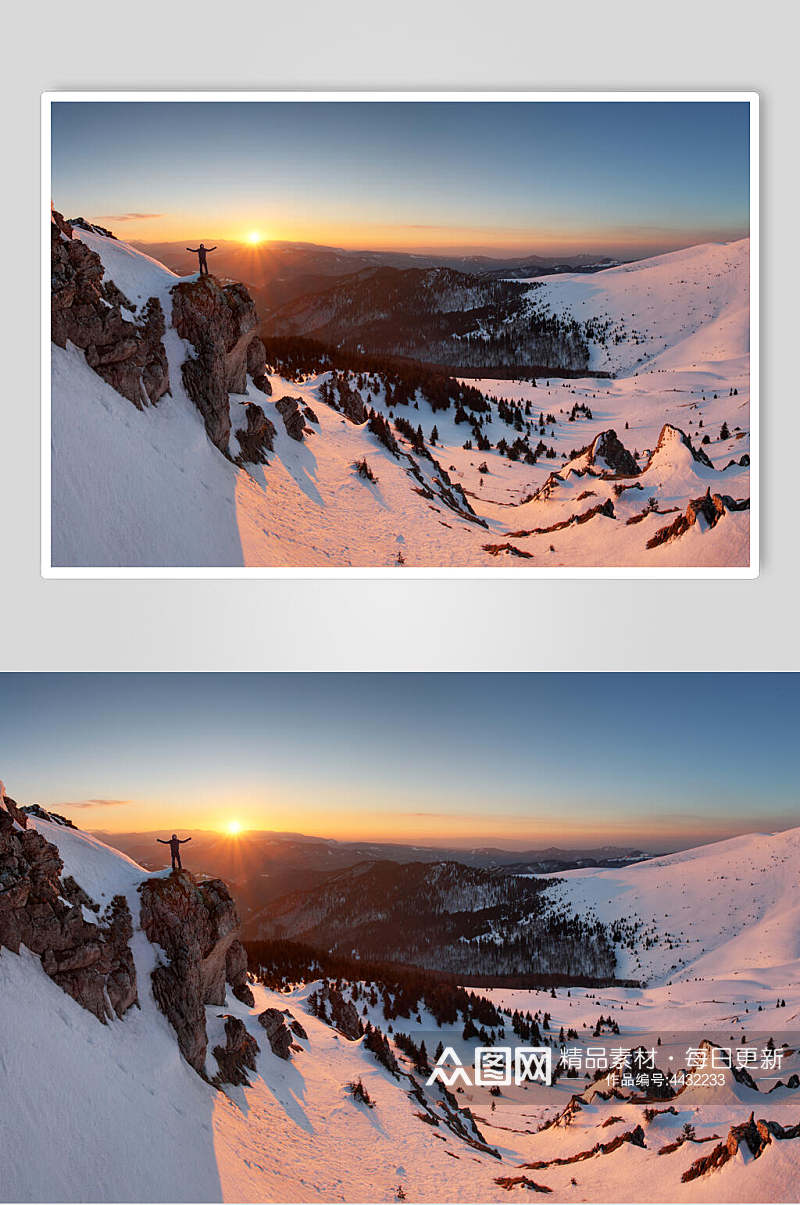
[
  {"x": 734, "y": 909},
  {"x": 114, "y": 1113},
  {"x": 147, "y": 487},
  {"x": 687, "y": 309}
]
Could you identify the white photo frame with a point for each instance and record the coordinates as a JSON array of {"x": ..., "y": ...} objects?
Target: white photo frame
[{"x": 48, "y": 570}]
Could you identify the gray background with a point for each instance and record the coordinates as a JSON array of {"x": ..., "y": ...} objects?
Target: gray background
[{"x": 405, "y": 624}]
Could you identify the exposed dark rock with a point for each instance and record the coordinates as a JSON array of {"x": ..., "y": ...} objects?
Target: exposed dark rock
[
  {"x": 290, "y": 409},
  {"x": 73, "y": 892},
  {"x": 82, "y": 224},
  {"x": 711, "y": 506},
  {"x": 236, "y": 973},
  {"x": 743, "y": 1076},
  {"x": 86, "y": 311},
  {"x": 91, "y": 962},
  {"x": 238, "y": 1055},
  {"x": 115, "y": 296},
  {"x": 258, "y": 437},
  {"x": 310, "y": 415},
  {"x": 194, "y": 923},
  {"x": 459, "y": 1120},
  {"x": 217, "y": 320},
  {"x": 297, "y": 1029},
  {"x": 792, "y": 1082},
  {"x": 452, "y": 492},
  {"x": 755, "y": 1136},
  {"x": 35, "y": 809},
  {"x": 277, "y": 1031},
  {"x": 509, "y": 1182},
  {"x": 257, "y": 365},
  {"x": 669, "y": 433},
  {"x": 602, "y": 508},
  {"x": 651, "y": 1082},
  {"x": 634, "y": 1136},
  {"x": 511, "y": 549},
  {"x": 609, "y": 452},
  {"x": 351, "y": 404}
]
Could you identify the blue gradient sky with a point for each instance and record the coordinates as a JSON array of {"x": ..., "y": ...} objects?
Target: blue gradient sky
[
  {"x": 511, "y": 759},
  {"x": 491, "y": 176}
]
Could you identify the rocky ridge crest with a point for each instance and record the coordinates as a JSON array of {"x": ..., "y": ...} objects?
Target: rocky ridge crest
[{"x": 86, "y": 310}]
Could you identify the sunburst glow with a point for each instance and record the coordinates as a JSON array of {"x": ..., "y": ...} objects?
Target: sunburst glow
[
  {"x": 233, "y": 828},
  {"x": 254, "y": 237}
]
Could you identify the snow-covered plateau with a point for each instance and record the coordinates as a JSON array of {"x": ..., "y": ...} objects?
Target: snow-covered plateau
[
  {"x": 110, "y": 1110},
  {"x": 162, "y": 486}
]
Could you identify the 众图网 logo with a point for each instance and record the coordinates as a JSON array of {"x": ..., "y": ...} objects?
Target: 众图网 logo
[{"x": 495, "y": 1065}]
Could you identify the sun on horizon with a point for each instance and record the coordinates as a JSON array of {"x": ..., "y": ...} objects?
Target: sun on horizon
[
  {"x": 254, "y": 237},
  {"x": 233, "y": 828}
]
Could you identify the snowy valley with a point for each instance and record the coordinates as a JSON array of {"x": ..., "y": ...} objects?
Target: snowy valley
[{"x": 186, "y": 432}]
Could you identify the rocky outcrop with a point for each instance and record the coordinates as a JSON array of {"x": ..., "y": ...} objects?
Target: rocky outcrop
[
  {"x": 340, "y": 1012},
  {"x": 651, "y": 1082},
  {"x": 754, "y": 1136},
  {"x": 290, "y": 409},
  {"x": 91, "y": 962},
  {"x": 711, "y": 506},
  {"x": 609, "y": 453},
  {"x": 509, "y": 1182},
  {"x": 257, "y": 365},
  {"x": 297, "y": 1029},
  {"x": 35, "y": 809},
  {"x": 606, "y": 456},
  {"x": 673, "y": 435},
  {"x": 100, "y": 965},
  {"x": 82, "y": 224},
  {"x": 351, "y": 403},
  {"x": 236, "y": 973},
  {"x": 792, "y": 1082},
  {"x": 511, "y": 549},
  {"x": 218, "y": 321},
  {"x": 258, "y": 437},
  {"x": 238, "y": 1055},
  {"x": 194, "y": 923},
  {"x": 87, "y": 310},
  {"x": 634, "y": 1136},
  {"x": 277, "y": 1031},
  {"x": 602, "y": 508}
]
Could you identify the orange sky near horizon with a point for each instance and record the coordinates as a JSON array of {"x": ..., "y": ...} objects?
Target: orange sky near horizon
[
  {"x": 500, "y": 829},
  {"x": 419, "y": 239}
]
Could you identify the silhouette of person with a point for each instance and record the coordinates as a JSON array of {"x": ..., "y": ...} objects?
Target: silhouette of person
[
  {"x": 175, "y": 844},
  {"x": 202, "y": 251}
]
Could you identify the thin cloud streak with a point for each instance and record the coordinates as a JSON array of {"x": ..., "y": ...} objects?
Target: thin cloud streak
[
  {"x": 128, "y": 217},
  {"x": 95, "y": 803}
]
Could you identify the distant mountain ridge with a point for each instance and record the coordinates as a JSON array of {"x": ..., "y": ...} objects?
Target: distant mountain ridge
[
  {"x": 262, "y": 865},
  {"x": 440, "y": 316},
  {"x": 442, "y": 916},
  {"x": 277, "y": 272}
]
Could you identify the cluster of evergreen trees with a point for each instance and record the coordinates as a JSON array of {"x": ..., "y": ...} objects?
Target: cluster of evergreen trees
[{"x": 402, "y": 382}]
